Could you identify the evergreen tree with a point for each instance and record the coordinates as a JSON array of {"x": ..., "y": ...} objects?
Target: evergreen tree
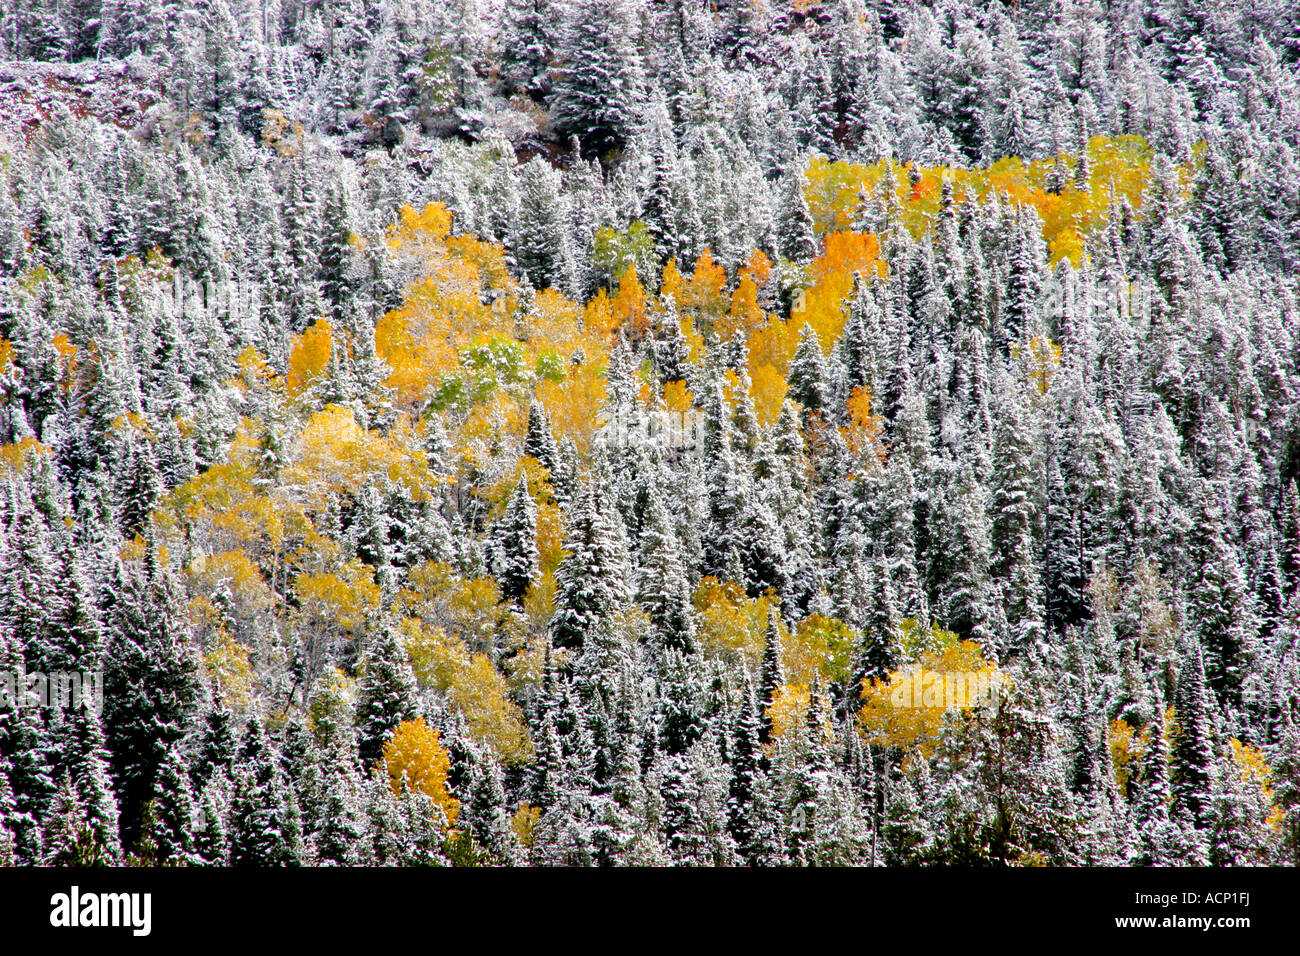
[
  {"x": 795, "y": 240},
  {"x": 1240, "y": 834},
  {"x": 905, "y": 832},
  {"x": 808, "y": 377},
  {"x": 881, "y": 649},
  {"x": 169, "y": 830},
  {"x": 662, "y": 587},
  {"x": 540, "y": 238},
  {"x": 92, "y": 778},
  {"x": 386, "y": 695},
  {"x": 1156, "y": 836},
  {"x": 592, "y": 578},
  {"x": 517, "y": 554},
  {"x": 1013, "y": 520},
  {"x": 1193, "y": 755},
  {"x": 150, "y": 684},
  {"x": 771, "y": 676},
  {"x": 1221, "y": 609},
  {"x": 69, "y": 838},
  {"x": 539, "y": 443},
  {"x": 343, "y": 836},
  {"x": 598, "y": 81},
  {"x": 485, "y": 813},
  {"x": 262, "y": 825}
]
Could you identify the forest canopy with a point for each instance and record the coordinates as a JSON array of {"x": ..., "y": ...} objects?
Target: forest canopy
[{"x": 587, "y": 432}]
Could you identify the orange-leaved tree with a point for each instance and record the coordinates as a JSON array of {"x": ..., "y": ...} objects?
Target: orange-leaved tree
[{"x": 416, "y": 760}]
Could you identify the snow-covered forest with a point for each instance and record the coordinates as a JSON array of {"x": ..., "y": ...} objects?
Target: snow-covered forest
[{"x": 578, "y": 432}]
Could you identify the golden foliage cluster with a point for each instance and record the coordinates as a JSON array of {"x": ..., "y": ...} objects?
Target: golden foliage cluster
[
  {"x": 468, "y": 350},
  {"x": 905, "y": 712},
  {"x": 416, "y": 760}
]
